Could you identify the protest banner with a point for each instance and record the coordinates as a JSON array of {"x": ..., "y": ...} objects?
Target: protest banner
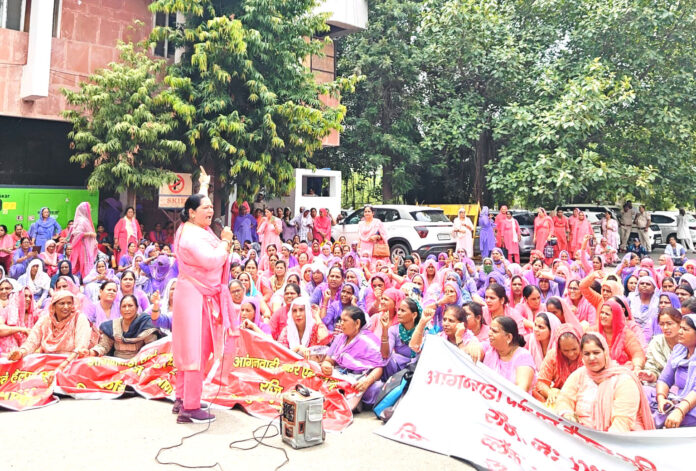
[
  {"x": 462, "y": 409},
  {"x": 28, "y": 384},
  {"x": 254, "y": 377}
]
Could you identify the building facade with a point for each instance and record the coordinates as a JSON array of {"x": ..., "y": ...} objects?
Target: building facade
[{"x": 47, "y": 45}]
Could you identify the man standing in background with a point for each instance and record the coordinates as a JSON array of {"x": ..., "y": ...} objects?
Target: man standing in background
[{"x": 628, "y": 215}]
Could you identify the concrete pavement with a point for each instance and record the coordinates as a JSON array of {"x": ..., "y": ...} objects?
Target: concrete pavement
[{"x": 125, "y": 434}]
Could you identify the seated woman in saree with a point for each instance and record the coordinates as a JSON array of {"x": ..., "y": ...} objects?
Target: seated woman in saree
[
  {"x": 96, "y": 277},
  {"x": 584, "y": 312},
  {"x": 279, "y": 319},
  {"x": 331, "y": 314},
  {"x": 127, "y": 286},
  {"x": 250, "y": 317},
  {"x": 454, "y": 330},
  {"x": 672, "y": 410},
  {"x": 625, "y": 346},
  {"x": 10, "y": 325},
  {"x": 304, "y": 329},
  {"x": 395, "y": 346},
  {"x": 37, "y": 281},
  {"x": 21, "y": 257},
  {"x": 390, "y": 301},
  {"x": 661, "y": 345},
  {"x": 126, "y": 336},
  {"x": 560, "y": 361},
  {"x": 106, "y": 307},
  {"x": 497, "y": 305},
  {"x": 158, "y": 272},
  {"x": 507, "y": 355},
  {"x": 546, "y": 326},
  {"x": 602, "y": 394},
  {"x": 475, "y": 322},
  {"x": 64, "y": 330},
  {"x": 356, "y": 353},
  {"x": 64, "y": 269},
  {"x": 50, "y": 258},
  {"x": 451, "y": 296},
  {"x": 252, "y": 292}
]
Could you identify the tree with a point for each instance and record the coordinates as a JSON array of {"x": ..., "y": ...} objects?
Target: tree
[
  {"x": 250, "y": 109},
  {"x": 381, "y": 129},
  {"x": 528, "y": 102},
  {"x": 614, "y": 114},
  {"x": 122, "y": 127}
]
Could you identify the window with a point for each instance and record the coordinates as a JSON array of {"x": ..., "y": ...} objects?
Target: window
[
  {"x": 391, "y": 215},
  {"x": 524, "y": 219},
  {"x": 316, "y": 186},
  {"x": 660, "y": 219},
  {"x": 355, "y": 217},
  {"x": 429, "y": 216},
  {"x": 163, "y": 48},
  {"x": 15, "y": 14},
  {"x": 380, "y": 214},
  {"x": 12, "y": 14}
]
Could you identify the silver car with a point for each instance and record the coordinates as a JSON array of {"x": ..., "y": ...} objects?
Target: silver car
[{"x": 526, "y": 221}]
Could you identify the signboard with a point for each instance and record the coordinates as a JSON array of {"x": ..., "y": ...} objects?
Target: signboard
[
  {"x": 173, "y": 195},
  {"x": 462, "y": 409},
  {"x": 452, "y": 210}
]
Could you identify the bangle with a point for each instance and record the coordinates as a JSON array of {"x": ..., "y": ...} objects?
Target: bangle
[{"x": 385, "y": 340}]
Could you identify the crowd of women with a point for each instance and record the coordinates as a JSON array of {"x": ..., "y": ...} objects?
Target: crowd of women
[{"x": 609, "y": 347}]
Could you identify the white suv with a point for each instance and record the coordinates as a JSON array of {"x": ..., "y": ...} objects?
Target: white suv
[{"x": 420, "y": 229}]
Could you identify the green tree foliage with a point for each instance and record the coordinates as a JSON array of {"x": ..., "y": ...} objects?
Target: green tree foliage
[
  {"x": 381, "y": 125},
  {"x": 528, "y": 102},
  {"x": 249, "y": 107},
  {"x": 121, "y": 125}
]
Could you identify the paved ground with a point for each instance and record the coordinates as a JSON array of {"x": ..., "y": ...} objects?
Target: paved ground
[{"x": 125, "y": 434}]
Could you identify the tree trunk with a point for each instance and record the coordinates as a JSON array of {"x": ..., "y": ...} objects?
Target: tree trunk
[
  {"x": 127, "y": 198},
  {"x": 484, "y": 154},
  {"x": 387, "y": 181}
]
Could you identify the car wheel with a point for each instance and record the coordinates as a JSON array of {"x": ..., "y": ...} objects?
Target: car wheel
[{"x": 399, "y": 250}]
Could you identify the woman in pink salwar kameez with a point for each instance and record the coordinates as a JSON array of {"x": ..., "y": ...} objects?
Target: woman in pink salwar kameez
[
  {"x": 270, "y": 228},
  {"x": 543, "y": 227},
  {"x": 202, "y": 312},
  {"x": 127, "y": 230},
  {"x": 511, "y": 235},
  {"x": 579, "y": 230},
  {"x": 83, "y": 239},
  {"x": 370, "y": 230}
]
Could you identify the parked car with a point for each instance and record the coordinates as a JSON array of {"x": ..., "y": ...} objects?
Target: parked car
[
  {"x": 419, "y": 229},
  {"x": 526, "y": 221},
  {"x": 667, "y": 222}
]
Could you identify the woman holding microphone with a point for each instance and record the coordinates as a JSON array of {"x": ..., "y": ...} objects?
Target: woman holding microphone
[{"x": 202, "y": 314}]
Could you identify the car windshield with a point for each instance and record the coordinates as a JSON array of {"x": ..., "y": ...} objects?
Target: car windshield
[
  {"x": 429, "y": 216},
  {"x": 524, "y": 219}
]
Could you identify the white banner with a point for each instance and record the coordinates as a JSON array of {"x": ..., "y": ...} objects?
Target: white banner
[{"x": 466, "y": 410}]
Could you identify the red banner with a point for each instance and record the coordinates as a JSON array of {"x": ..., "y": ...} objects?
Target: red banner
[{"x": 255, "y": 378}]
